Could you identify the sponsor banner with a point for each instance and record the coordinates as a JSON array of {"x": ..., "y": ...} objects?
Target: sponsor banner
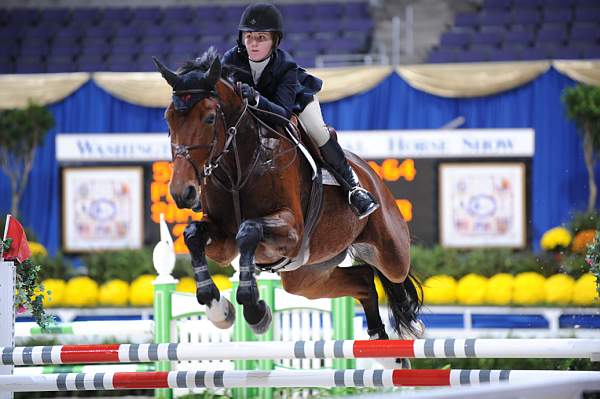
[
  {"x": 113, "y": 147},
  {"x": 371, "y": 144},
  {"x": 462, "y": 143}
]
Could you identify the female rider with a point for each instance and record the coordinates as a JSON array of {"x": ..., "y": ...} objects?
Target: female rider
[{"x": 272, "y": 81}]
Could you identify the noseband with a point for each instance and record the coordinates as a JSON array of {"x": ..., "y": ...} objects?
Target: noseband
[{"x": 212, "y": 162}]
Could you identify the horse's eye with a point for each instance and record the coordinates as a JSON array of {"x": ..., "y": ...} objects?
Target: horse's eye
[{"x": 210, "y": 119}]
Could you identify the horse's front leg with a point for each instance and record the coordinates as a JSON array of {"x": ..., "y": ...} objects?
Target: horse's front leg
[
  {"x": 279, "y": 238},
  {"x": 219, "y": 310}
]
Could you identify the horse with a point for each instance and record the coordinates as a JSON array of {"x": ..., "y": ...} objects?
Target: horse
[{"x": 254, "y": 188}]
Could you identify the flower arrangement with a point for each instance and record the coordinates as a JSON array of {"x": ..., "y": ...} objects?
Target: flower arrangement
[
  {"x": 556, "y": 239},
  {"x": 29, "y": 294},
  {"x": 592, "y": 258}
]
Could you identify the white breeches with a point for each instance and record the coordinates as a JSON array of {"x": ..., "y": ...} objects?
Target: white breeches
[{"x": 312, "y": 119}]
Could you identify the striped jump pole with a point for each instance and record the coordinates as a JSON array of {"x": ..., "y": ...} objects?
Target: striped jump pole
[
  {"x": 87, "y": 368},
  {"x": 274, "y": 379},
  {"x": 342, "y": 349}
]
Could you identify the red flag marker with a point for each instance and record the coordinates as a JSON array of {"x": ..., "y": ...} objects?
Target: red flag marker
[{"x": 19, "y": 248}]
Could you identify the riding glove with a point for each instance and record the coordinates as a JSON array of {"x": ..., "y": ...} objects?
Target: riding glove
[{"x": 249, "y": 93}]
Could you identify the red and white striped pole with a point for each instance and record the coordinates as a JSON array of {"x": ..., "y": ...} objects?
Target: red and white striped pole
[
  {"x": 274, "y": 379},
  {"x": 343, "y": 349}
]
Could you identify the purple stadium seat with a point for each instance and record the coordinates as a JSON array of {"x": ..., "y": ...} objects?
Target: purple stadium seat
[
  {"x": 208, "y": 29},
  {"x": 505, "y": 54},
  {"x": 325, "y": 25},
  {"x": 496, "y": 4},
  {"x": 566, "y": 53},
  {"x": 305, "y": 59},
  {"x": 129, "y": 31},
  {"x": 356, "y": 9},
  {"x": 442, "y": 55},
  {"x": 536, "y": 53},
  {"x": 364, "y": 25},
  {"x": 327, "y": 10},
  {"x": 6, "y": 65},
  {"x": 24, "y": 16},
  {"x": 525, "y": 16},
  {"x": 526, "y": 4},
  {"x": 467, "y": 19},
  {"x": 557, "y": 15},
  {"x": 496, "y": 18},
  {"x": 232, "y": 13},
  {"x": 491, "y": 38},
  {"x": 30, "y": 64},
  {"x": 296, "y": 12},
  {"x": 35, "y": 32},
  {"x": 90, "y": 63},
  {"x": 585, "y": 14},
  {"x": 473, "y": 56},
  {"x": 555, "y": 35},
  {"x": 95, "y": 48},
  {"x": 121, "y": 15},
  {"x": 8, "y": 49},
  {"x": 60, "y": 64},
  {"x": 56, "y": 15},
  {"x": 145, "y": 63},
  {"x": 519, "y": 36},
  {"x": 584, "y": 33},
  {"x": 587, "y": 3},
  {"x": 60, "y": 49},
  {"x": 89, "y": 16},
  {"x": 300, "y": 26},
  {"x": 455, "y": 39},
  {"x": 147, "y": 14},
  {"x": 208, "y": 13},
  {"x": 311, "y": 46},
  {"x": 556, "y": 3},
  {"x": 124, "y": 41},
  {"x": 177, "y": 15},
  {"x": 592, "y": 52}
]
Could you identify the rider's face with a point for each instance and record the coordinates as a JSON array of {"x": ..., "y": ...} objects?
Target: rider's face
[{"x": 258, "y": 44}]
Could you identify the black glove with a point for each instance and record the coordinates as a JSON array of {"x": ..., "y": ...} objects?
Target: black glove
[{"x": 248, "y": 92}]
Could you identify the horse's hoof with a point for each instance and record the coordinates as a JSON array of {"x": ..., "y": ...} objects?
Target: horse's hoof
[
  {"x": 264, "y": 323},
  {"x": 391, "y": 363},
  {"x": 221, "y": 313}
]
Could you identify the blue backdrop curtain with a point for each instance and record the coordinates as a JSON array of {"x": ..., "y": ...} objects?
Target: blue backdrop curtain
[{"x": 559, "y": 178}]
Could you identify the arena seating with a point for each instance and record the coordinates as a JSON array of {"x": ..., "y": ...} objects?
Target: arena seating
[
  {"x": 505, "y": 30},
  {"x": 125, "y": 39}
]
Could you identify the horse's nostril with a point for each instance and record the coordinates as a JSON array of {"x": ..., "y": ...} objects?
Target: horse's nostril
[{"x": 189, "y": 194}]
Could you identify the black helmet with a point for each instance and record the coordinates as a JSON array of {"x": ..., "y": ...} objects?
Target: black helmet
[{"x": 261, "y": 17}]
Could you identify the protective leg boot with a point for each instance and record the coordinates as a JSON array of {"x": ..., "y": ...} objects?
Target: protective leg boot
[{"x": 360, "y": 200}]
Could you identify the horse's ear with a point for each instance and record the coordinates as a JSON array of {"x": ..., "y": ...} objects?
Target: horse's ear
[
  {"x": 214, "y": 72},
  {"x": 171, "y": 77}
]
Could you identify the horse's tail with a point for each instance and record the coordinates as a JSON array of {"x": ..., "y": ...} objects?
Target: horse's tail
[{"x": 404, "y": 301}]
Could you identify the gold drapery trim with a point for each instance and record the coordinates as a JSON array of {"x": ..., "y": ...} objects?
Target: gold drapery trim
[
  {"x": 587, "y": 72},
  {"x": 150, "y": 90},
  {"x": 339, "y": 83},
  {"x": 44, "y": 88},
  {"x": 471, "y": 80},
  {"x": 147, "y": 89}
]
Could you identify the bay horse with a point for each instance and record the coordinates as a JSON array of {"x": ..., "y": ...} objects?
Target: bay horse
[{"x": 254, "y": 189}]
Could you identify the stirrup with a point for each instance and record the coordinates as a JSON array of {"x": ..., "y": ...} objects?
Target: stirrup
[{"x": 372, "y": 207}]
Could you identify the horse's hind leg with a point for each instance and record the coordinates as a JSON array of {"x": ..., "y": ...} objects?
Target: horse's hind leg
[{"x": 219, "y": 309}]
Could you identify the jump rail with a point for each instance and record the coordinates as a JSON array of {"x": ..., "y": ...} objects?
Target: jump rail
[
  {"x": 269, "y": 350},
  {"x": 274, "y": 379}
]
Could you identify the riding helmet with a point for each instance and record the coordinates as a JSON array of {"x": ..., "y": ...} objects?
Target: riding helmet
[{"x": 261, "y": 17}]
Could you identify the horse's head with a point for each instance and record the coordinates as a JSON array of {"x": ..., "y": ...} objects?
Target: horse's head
[{"x": 196, "y": 125}]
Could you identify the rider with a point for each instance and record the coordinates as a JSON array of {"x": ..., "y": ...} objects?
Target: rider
[{"x": 272, "y": 81}]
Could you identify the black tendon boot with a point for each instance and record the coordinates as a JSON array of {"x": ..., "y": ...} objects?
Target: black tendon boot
[{"x": 361, "y": 201}]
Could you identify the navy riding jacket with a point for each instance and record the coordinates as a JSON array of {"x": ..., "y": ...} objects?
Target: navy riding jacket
[{"x": 284, "y": 87}]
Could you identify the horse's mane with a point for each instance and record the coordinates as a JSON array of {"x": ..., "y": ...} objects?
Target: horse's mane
[{"x": 204, "y": 62}]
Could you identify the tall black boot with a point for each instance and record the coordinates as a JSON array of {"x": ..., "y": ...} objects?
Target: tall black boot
[{"x": 361, "y": 201}]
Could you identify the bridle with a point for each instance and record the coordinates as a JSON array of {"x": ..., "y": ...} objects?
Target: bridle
[{"x": 212, "y": 162}]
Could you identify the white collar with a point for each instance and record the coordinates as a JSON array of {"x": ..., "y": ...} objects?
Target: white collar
[{"x": 257, "y": 68}]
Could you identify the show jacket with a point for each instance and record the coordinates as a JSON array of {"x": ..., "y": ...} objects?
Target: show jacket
[{"x": 284, "y": 87}]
